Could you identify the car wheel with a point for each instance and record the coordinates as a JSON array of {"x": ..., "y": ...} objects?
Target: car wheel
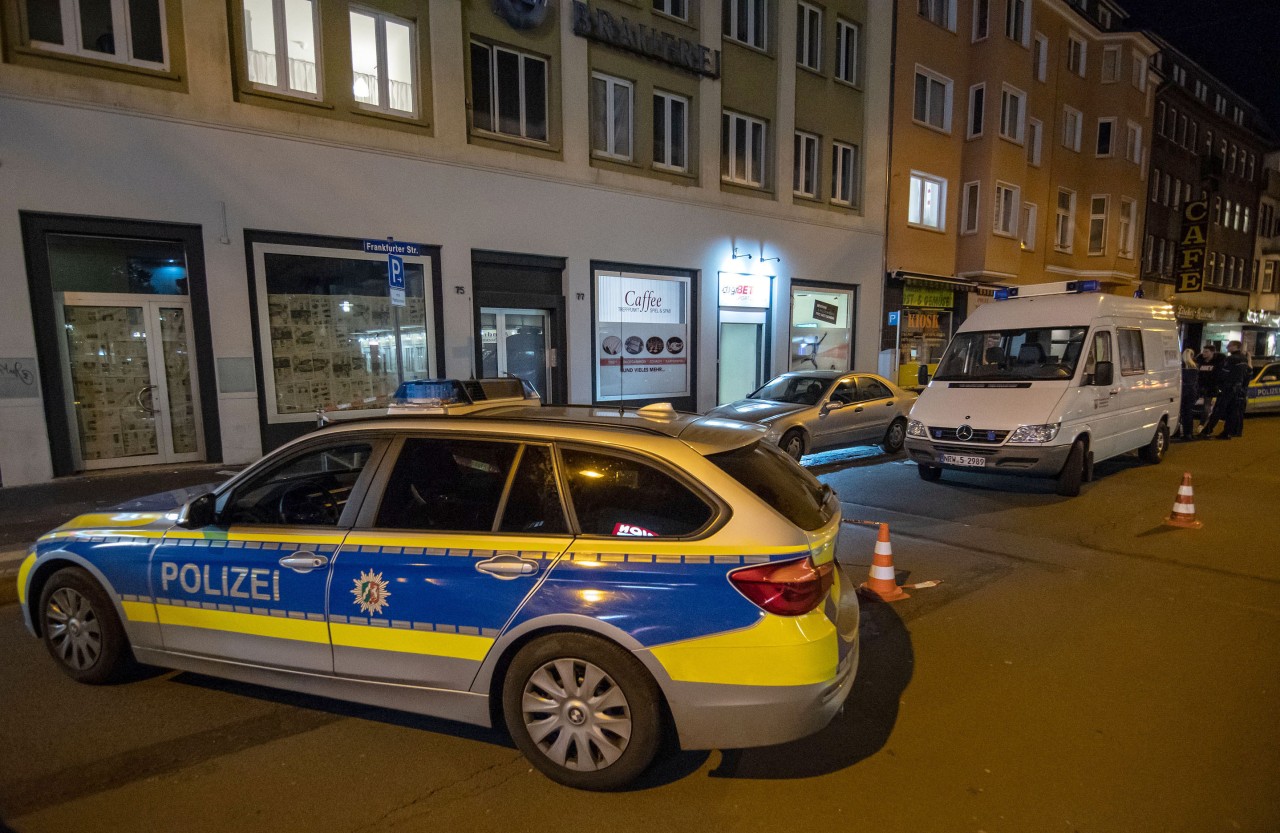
[
  {"x": 793, "y": 443},
  {"x": 81, "y": 630},
  {"x": 894, "y": 436},
  {"x": 928, "y": 472},
  {"x": 1072, "y": 474},
  {"x": 1153, "y": 452},
  {"x": 584, "y": 711}
]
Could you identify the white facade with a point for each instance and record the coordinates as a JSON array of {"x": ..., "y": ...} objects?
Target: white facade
[{"x": 84, "y": 146}]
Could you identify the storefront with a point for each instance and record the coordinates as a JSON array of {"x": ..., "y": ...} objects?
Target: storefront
[
  {"x": 922, "y": 313},
  {"x": 745, "y": 323},
  {"x": 822, "y": 331}
]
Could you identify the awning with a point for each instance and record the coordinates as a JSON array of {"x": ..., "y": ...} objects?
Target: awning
[{"x": 924, "y": 279}]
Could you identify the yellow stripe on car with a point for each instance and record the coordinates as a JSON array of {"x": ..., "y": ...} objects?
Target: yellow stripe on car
[
  {"x": 140, "y": 612},
  {"x": 776, "y": 651},
  {"x": 280, "y": 627},
  {"x": 431, "y": 643},
  {"x": 24, "y": 570}
]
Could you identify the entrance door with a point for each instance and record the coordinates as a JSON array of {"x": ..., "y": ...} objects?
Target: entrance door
[
  {"x": 742, "y": 352},
  {"x": 516, "y": 341},
  {"x": 131, "y": 391}
]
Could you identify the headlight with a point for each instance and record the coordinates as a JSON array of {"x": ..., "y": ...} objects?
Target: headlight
[
  {"x": 1034, "y": 433},
  {"x": 915, "y": 428}
]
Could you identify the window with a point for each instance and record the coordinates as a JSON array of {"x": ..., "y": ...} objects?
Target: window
[
  {"x": 806, "y": 165},
  {"x": 310, "y": 489},
  {"x": 981, "y": 19},
  {"x": 1219, "y": 104},
  {"x": 124, "y": 31},
  {"x": 844, "y": 173},
  {"x": 1012, "y": 108},
  {"x": 508, "y": 92},
  {"x": 1035, "y": 130},
  {"x": 382, "y": 62},
  {"x": 615, "y": 495},
  {"x": 1064, "y": 220},
  {"x": 927, "y": 203},
  {"x": 1249, "y": 174},
  {"x": 745, "y": 22},
  {"x": 1040, "y": 57},
  {"x": 1139, "y": 74},
  {"x": 847, "y": 51},
  {"x": 1202, "y": 90},
  {"x": 1076, "y": 53},
  {"x": 933, "y": 99},
  {"x": 280, "y": 40},
  {"x": 742, "y": 149},
  {"x": 674, "y": 8},
  {"x": 1029, "y": 212},
  {"x": 1006, "y": 209},
  {"x": 1072, "y": 120},
  {"x": 1158, "y": 121},
  {"x": 1237, "y": 115},
  {"x": 1245, "y": 225},
  {"x": 1099, "y": 352},
  {"x": 1155, "y": 185},
  {"x": 670, "y": 131},
  {"x": 1133, "y": 143},
  {"x": 1106, "y": 127},
  {"x": 1181, "y": 138},
  {"x": 969, "y": 208},
  {"x": 1191, "y": 138},
  {"x": 1177, "y": 192},
  {"x": 1132, "y": 360},
  {"x": 1231, "y": 166},
  {"x": 1236, "y": 222},
  {"x": 940, "y": 12},
  {"x": 611, "y": 116},
  {"x": 1017, "y": 21},
  {"x": 447, "y": 484},
  {"x": 977, "y": 95},
  {"x": 1104, "y": 17},
  {"x": 1165, "y": 186},
  {"x": 809, "y": 36},
  {"x": 1169, "y": 124},
  {"x": 1110, "y": 64},
  {"x": 1098, "y": 224}
]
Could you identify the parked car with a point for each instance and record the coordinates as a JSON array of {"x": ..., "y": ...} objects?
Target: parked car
[
  {"x": 815, "y": 410},
  {"x": 1264, "y": 388},
  {"x": 587, "y": 578}
]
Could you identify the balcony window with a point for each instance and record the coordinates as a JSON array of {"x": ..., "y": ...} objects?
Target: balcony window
[
  {"x": 382, "y": 62},
  {"x": 281, "y": 39}
]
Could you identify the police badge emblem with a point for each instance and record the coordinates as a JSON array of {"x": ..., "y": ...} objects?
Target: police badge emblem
[{"x": 371, "y": 592}]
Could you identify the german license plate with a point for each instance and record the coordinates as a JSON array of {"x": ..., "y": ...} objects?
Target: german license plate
[{"x": 964, "y": 460}]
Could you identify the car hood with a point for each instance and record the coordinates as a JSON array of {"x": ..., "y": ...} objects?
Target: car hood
[
  {"x": 946, "y": 405},
  {"x": 164, "y": 501},
  {"x": 756, "y": 410}
]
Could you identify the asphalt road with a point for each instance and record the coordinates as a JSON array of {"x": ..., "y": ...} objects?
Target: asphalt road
[{"x": 1079, "y": 667}]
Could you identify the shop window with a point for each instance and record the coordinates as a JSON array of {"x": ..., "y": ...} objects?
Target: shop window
[
  {"x": 821, "y": 328},
  {"x": 670, "y": 131},
  {"x": 611, "y": 116},
  {"x": 382, "y": 62},
  {"x": 281, "y": 41},
  {"x": 508, "y": 92},
  {"x": 844, "y": 173},
  {"x": 329, "y": 335},
  {"x": 806, "y": 165},
  {"x": 124, "y": 31},
  {"x": 742, "y": 149},
  {"x": 643, "y": 335}
]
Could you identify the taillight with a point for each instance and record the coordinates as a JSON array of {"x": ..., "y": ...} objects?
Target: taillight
[{"x": 787, "y": 588}]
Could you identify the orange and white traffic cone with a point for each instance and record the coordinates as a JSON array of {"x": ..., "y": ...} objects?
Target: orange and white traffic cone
[
  {"x": 882, "y": 582},
  {"x": 1184, "y": 507}
]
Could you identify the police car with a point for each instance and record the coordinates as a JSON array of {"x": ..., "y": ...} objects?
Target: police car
[
  {"x": 587, "y": 577},
  {"x": 1264, "y": 389}
]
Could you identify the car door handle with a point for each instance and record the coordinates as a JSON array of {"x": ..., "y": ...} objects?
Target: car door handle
[
  {"x": 858, "y": 410},
  {"x": 507, "y": 567},
  {"x": 1114, "y": 392},
  {"x": 303, "y": 561}
]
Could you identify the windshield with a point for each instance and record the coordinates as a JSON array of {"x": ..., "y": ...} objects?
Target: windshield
[
  {"x": 798, "y": 390},
  {"x": 780, "y": 482},
  {"x": 1012, "y": 355}
]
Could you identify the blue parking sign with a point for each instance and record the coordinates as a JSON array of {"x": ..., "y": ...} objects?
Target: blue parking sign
[{"x": 395, "y": 279}]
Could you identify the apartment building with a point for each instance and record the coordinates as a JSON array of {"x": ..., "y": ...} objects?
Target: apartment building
[
  {"x": 1019, "y": 151},
  {"x": 217, "y": 217},
  {"x": 1209, "y": 147},
  {"x": 1262, "y": 319}
]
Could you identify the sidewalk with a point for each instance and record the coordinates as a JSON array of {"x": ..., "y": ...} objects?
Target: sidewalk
[{"x": 27, "y": 512}]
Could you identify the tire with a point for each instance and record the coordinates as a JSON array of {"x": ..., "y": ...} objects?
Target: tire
[
  {"x": 600, "y": 739},
  {"x": 895, "y": 436},
  {"x": 792, "y": 443},
  {"x": 1072, "y": 474},
  {"x": 930, "y": 473},
  {"x": 80, "y": 629},
  {"x": 1153, "y": 452}
]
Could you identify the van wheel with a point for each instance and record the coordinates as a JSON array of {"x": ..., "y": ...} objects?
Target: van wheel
[
  {"x": 793, "y": 443},
  {"x": 1072, "y": 471},
  {"x": 894, "y": 436},
  {"x": 1153, "y": 452},
  {"x": 929, "y": 473}
]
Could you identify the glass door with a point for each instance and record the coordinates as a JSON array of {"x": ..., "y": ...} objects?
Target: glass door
[
  {"x": 742, "y": 354},
  {"x": 131, "y": 392},
  {"x": 514, "y": 341}
]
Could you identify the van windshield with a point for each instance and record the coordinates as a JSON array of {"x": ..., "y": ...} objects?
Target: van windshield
[{"x": 1012, "y": 355}]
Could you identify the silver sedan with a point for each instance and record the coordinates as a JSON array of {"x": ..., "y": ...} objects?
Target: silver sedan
[{"x": 816, "y": 410}]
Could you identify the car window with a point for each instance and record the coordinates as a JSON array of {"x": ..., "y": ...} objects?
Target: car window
[
  {"x": 1100, "y": 352},
  {"x": 615, "y": 495},
  {"x": 447, "y": 484},
  {"x": 846, "y": 392},
  {"x": 308, "y": 490},
  {"x": 1132, "y": 360},
  {"x": 798, "y": 390},
  {"x": 869, "y": 389},
  {"x": 780, "y": 482},
  {"x": 1269, "y": 373},
  {"x": 533, "y": 504}
]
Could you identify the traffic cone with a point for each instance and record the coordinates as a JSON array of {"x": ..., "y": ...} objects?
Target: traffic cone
[
  {"x": 881, "y": 582},
  {"x": 1184, "y": 507}
]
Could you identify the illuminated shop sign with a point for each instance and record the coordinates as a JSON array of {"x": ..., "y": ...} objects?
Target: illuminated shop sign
[
  {"x": 753, "y": 291},
  {"x": 620, "y": 33},
  {"x": 642, "y": 336},
  {"x": 1191, "y": 246}
]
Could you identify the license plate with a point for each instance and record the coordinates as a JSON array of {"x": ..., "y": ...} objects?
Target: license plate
[{"x": 964, "y": 460}]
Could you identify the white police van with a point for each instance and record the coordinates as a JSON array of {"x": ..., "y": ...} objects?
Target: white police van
[{"x": 1048, "y": 379}]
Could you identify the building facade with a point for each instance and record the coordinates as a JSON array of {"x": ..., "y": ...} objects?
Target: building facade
[
  {"x": 205, "y": 209},
  {"x": 1263, "y": 317},
  {"x": 1018, "y": 155},
  {"x": 1209, "y": 148}
]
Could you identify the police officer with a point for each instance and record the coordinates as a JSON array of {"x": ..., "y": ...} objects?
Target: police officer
[
  {"x": 1208, "y": 363},
  {"x": 1233, "y": 377}
]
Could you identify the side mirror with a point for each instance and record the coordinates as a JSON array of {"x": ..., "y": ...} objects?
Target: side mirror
[
  {"x": 922, "y": 375},
  {"x": 1103, "y": 373},
  {"x": 198, "y": 512}
]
